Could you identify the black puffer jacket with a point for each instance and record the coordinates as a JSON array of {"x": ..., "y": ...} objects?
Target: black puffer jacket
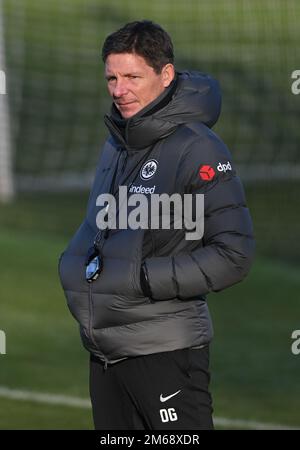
[{"x": 116, "y": 319}]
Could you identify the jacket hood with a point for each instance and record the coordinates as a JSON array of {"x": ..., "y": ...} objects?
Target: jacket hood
[{"x": 191, "y": 97}]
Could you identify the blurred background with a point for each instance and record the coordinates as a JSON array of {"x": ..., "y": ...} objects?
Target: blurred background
[{"x": 51, "y": 125}]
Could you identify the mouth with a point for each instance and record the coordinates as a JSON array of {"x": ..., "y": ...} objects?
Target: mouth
[{"x": 124, "y": 104}]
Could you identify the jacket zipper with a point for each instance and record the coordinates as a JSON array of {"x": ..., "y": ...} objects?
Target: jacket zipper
[
  {"x": 91, "y": 315},
  {"x": 110, "y": 124},
  {"x": 152, "y": 243},
  {"x": 91, "y": 327},
  {"x": 124, "y": 162}
]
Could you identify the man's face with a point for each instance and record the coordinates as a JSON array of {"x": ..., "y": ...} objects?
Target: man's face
[{"x": 132, "y": 83}]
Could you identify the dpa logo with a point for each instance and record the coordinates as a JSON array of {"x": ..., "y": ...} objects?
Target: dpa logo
[{"x": 224, "y": 167}]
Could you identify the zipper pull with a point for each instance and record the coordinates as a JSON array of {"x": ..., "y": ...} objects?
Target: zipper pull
[{"x": 105, "y": 365}]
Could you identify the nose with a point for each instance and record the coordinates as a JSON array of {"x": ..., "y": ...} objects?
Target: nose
[{"x": 120, "y": 88}]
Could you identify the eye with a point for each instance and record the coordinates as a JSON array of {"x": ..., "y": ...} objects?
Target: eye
[{"x": 110, "y": 78}]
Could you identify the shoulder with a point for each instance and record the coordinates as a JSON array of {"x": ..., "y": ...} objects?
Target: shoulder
[
  {"x": 196, "y": 141},
  {"x": 107, "y": 151},
  {"x": 204, "y": 143},
  {"x": 205, "y": 157}
]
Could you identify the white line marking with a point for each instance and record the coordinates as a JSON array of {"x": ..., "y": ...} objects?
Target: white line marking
[
  {"x": 250, "y": 424},
  {"x": 38, "y": 397},
  {"x": 75, "y": 402}
]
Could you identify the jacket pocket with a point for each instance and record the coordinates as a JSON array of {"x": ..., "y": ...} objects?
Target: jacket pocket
[
  {"x": 199, "y": 362},
  {"x": 181, "y": 360},
  {"x": 72, "y": 272},
  {"x": 122, "y": 256}
]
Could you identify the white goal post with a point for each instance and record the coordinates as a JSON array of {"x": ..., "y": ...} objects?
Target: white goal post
[{"x": 6, "y": 171}]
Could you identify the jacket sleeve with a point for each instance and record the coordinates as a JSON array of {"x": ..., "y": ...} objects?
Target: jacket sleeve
[{"x": 224, "y": 254}]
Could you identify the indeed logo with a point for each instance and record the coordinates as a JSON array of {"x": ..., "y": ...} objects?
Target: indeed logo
[
  {"x": 142, "y": 189},
  {"x": 224, "y": 167}
]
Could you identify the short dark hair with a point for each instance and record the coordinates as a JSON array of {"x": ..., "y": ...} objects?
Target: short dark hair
[{"x": 146, "y": 39}]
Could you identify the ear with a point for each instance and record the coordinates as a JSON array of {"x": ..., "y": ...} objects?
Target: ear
[{"x": 168, "y": 74}]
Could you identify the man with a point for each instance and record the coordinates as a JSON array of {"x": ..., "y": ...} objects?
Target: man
[{"x": 139, "y": 294}]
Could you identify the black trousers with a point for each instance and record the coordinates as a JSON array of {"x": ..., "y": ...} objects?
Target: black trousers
[{"x": 161, "y": 391}]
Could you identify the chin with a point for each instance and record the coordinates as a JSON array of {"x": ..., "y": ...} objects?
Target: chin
[{"x": 128, "y": 114}]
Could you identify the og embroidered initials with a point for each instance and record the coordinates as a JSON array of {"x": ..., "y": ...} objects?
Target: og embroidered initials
[{"x": 167, "y": 415}]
